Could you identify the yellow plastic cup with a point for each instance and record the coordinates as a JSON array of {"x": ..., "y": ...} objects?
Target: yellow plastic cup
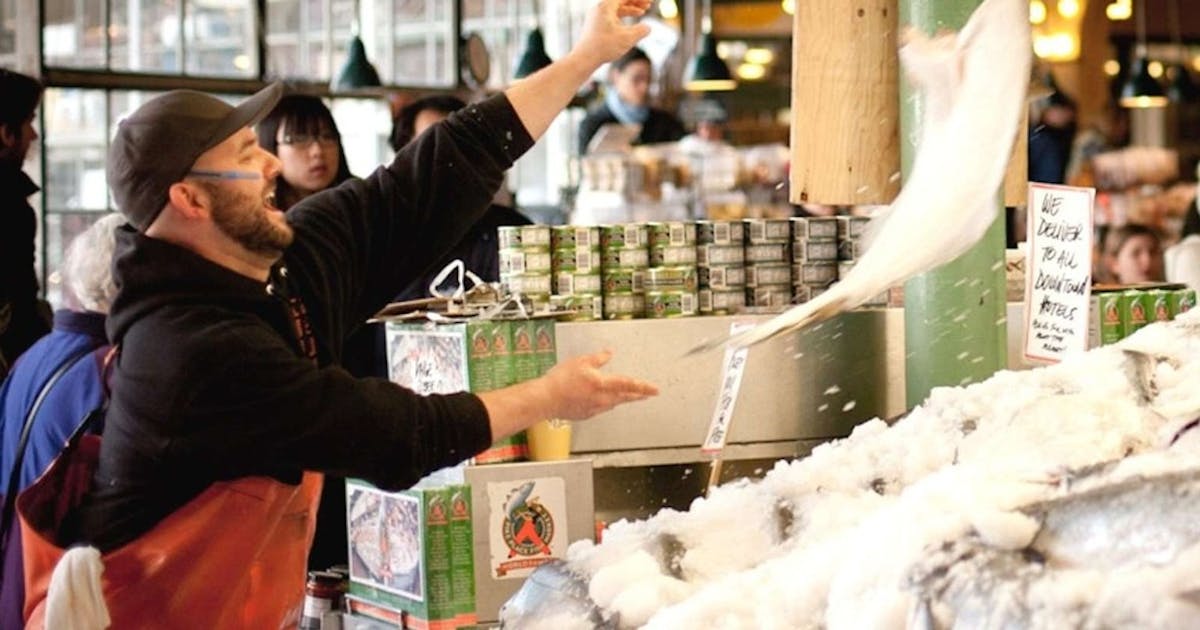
[{"x": 549, "y": 440}]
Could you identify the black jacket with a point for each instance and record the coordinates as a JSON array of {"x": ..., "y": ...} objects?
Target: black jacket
[
  {"x": 24, "y": 318},
  {"x": 660, "y": 126},
  {"x": 211, "y": 383}
]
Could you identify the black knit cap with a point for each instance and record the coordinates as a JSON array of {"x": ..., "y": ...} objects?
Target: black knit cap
[{"x": 158, "y": 143}]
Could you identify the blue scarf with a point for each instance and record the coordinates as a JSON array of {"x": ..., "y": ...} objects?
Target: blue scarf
[{"x": 625, "y": 113}]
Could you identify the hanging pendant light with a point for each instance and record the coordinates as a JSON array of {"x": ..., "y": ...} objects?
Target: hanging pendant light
[
  {"x": 534, "y": 57},
  {"x": 707, "y": 72},
  {"x": 1142, "y": 90},
  {"x": 357, "y": 73}
]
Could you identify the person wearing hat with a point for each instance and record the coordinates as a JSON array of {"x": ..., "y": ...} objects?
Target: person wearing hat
[
  {"x": 227, "y": 395},
  {"x": 23, "y": 316}
]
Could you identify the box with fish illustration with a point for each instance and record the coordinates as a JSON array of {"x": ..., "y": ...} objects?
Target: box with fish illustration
[
  {"x": 524, "y": 516},
  {"x": 474, "y": 355},
  {"x": 400, "y": 553}
]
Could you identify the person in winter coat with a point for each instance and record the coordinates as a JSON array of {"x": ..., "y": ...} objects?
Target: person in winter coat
[
  {"x": 23, "y": 316},
  {"x": 627, "y": 101},
  {"x": 65, "y": 370}
]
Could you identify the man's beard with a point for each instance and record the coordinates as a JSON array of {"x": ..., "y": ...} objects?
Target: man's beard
[{"x": 243, "y": 218}]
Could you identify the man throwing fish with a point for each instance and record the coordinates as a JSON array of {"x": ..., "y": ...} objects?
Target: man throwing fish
[{"x": 228, "y": 400}]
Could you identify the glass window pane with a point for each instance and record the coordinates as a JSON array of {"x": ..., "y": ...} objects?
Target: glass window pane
[
  {"x": 219, "y": 38},
  {"x": 364, "y": 124},
  {"x": 145, "y": 35},
  {"x": 414, "y": 45},
  {"x": 73, "y": 35},
  {"x": 76, "y": 130},
  {"x": 8, "y": 29}
]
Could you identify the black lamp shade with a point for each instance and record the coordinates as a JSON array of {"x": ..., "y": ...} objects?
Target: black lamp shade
[
  {"x": 707, "y": 72},
  {"x": 1182, "y": 89},
  {"x": 1141, "y": 89},
  {"x": 534, "y": 58},
  {"x": 357, "y": 72}
]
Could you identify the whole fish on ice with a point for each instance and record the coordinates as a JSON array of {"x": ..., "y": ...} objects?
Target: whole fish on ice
[{"x": 974, "y": 83}]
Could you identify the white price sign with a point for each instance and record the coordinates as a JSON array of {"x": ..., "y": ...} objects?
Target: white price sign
[
  {"x": 1058, "y": 280},
  {"x": 731, "y": 382}
]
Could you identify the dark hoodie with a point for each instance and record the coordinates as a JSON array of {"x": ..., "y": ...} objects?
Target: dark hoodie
[{"x": 211, "y": 383}]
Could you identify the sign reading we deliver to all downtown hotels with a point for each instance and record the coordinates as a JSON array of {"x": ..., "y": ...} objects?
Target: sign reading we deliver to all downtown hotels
[{"x": 1058, "y": 280}]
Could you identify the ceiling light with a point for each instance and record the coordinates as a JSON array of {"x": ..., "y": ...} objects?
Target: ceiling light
[
  {"x": 751, "y": 71},
  {"x": 760, "y": 56},
  {"x": 668, "y": 9},
  {"x": 1068, "y": 8},
  {"x": 1155, "y": 68},
  {"x": 1112, "y": 67},
  {"x": 1119, "y": 11},
  {"x": 1037, "y": 12}
]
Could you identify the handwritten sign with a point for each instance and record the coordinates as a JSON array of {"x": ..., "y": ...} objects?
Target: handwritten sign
[
  {"x": 731, "y": 382},
  {"x": 1058, "y": 280}
]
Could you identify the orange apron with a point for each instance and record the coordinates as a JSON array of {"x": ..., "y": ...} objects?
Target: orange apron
[{"x": 233, "y": 557}]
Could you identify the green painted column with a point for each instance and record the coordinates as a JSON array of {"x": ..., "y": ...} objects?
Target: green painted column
[{"x": 954, "y": 316}]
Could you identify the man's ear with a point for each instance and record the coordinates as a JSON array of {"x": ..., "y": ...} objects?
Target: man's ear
[
  {"x": 190, "y": 201},
  {"x": 8, "y": 139}
]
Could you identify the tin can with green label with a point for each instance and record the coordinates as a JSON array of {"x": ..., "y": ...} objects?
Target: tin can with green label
[
  {"x": 1134, "y": 311},
  {"x": 720, "y": 232},
  {"x": 760, "y": 231},
  {"x": 763, "y": 274},
  {"x": 670, "y": 256},
  {"x": 680, "y": 278},
  {"x": 769, "y": 253},
  {"x": 587, "y": 307},
  {"x": 721, "y": 277},
  {"x": 667, "y": 304},
  {"x": 535, "y": 236},
  {"x": 625, "y": 258},
  {"x": 574, "y": 236},
  {"x": 772, "y": 295},
  {"x": 712, "y": 254},
  {"x": 525, "y": 260},
  {"x": 721, "y": 301},
  {"x": 530, "y": 283},
  {"x": 814, "y": 251},
  {"x": 815, "y": 228},
  {"x": 624, "y": 305},
  {"x": 1181, "y": 301},
  {"x": 624, "y": 281},
  {"x": 1159, "y": 306},
  {"x": 508, "y": 236},
  {"x": 567, "y": 283},
  {"x": 821, "y": 273},
  {"x": 631, "y": 235},
  {"x": 576, "y": 260},
  {"x": 672, "y": 234}
]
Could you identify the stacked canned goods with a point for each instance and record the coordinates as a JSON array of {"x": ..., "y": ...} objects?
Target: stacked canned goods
[
  {"x": 671, "y": 279},
  {"x": 624, "y": 259},
  {"x": 768, "y": 262},
  {"x": 575, "y": 269},
  {"x": 525, "y": 262},
  {"x": 721, "y": 266},
  {"x": 850, "y": 232},
  {"x": 815, "y": 262}
]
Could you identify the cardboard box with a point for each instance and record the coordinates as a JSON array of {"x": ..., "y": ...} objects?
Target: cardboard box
[
  {"x": 462, "y": 554},
  {"x": 523, "y": 516},
  {"x": 400, "y": 555}
]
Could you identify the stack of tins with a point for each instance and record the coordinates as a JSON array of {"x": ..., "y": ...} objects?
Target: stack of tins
[
  {"x": 814, "y": 256},
  {"x": 624, "y": 259},
  {"x": 850, "y": 248},
  {"x": 671, "y": 279},
  {"x": 525, "y": 262},
  {"x": 720, "y": 261},
  {"x": 575, "y": 266},
  {"x": 768, "y": 263}
]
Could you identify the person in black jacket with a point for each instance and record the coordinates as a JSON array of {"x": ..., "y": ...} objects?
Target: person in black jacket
[
  {"x": 478, "y": 250},
  {"x": 231, "y": 316},
  {"x": 627, "y": 101},
  {"x": 24, "y": 317}
]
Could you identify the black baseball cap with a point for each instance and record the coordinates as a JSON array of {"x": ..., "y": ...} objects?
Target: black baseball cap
[{"x": 158, "y": 143}]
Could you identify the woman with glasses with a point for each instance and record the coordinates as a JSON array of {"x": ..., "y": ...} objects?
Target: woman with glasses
[{"x": 301, "y": 132}]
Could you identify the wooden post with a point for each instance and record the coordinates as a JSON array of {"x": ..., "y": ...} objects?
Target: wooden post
[
  {"x": 845, "y": 102},
  {"x": 1016, "y": 178}
]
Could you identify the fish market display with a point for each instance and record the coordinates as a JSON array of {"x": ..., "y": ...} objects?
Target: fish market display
[
  {"x": 974, "y": 83},
  {"x": 1062, "y": 497}
]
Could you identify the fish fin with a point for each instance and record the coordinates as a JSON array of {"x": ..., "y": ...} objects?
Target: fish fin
[
  {"x": 875, "y": 226},
  {"x": 935, "y": 66}
]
